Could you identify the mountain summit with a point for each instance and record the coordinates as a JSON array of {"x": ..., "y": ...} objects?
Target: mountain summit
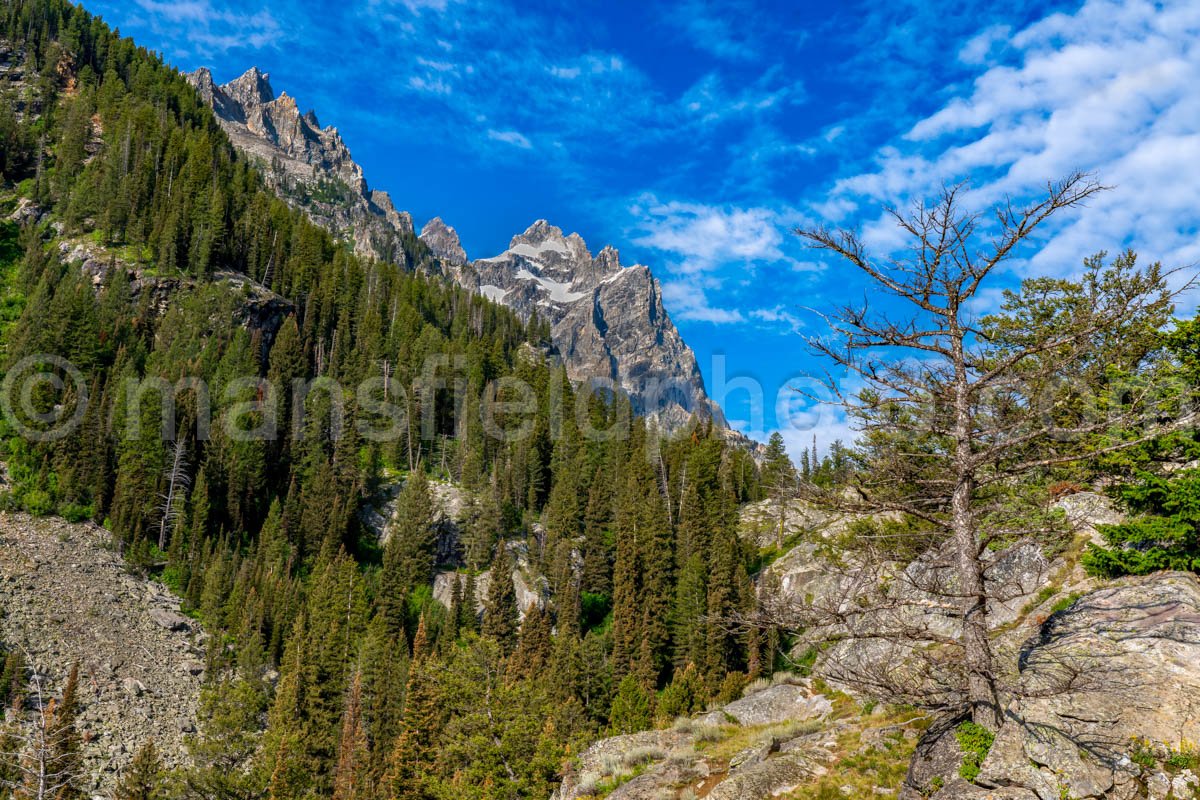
[
  {"x": 607, "y": 321},
  {"x": 309, "y": 166}
]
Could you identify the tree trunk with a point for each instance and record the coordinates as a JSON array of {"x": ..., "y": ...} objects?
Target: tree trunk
[{"x": 977, "y": 652}]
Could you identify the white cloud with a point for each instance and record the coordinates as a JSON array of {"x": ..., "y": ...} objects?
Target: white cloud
[
  {"x": 979, "y": 47},
  {"x": 1109, "y": 89},
  {"x": 778, "y": 316},
  {"x": 703, "y": 236},
  {"x": 711, "y": 249},
  {"x": 710, "y": 101},
  {"x": 210, "y": 28},
  {"x": 510, "y": 137},
  {"x": 687, "y": 299},
  {"x": 430, "y": 85}
]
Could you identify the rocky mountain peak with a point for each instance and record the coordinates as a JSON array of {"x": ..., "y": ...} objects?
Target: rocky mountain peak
[
  {"x": 607, "y": 321},
  {"x": 443, "y": 241},
  {"x": 251, "y": 88},
  {"x": 540, "y": 231},
  {"x": 544, "y": 247},
  {"x": 607, "y": 260},
  {"x": 309, "y": 166}
]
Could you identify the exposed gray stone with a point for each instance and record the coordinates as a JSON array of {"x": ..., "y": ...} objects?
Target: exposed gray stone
[
  {"x": 443, "y": 241},
  {"x": 171, "y": 620},
  {"x": 1122, "y": 663},
  {"x": 607, "y": 321},
  {"x": 779, "y": 704},
  {"x": 67, "y": 598},
  {"x": 309, "y": 166}
]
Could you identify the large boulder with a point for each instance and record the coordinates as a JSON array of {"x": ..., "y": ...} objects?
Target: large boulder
[
  {"x": 779, "y": 752},
  {"x": 1113, "y": 677},
  {"x": 773, "y": 705}
]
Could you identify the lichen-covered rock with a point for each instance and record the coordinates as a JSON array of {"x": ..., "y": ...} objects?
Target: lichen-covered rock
[
  {"x": 774, "y": 704},
  {"x": 671, "y": 762},
  {"x": 1116, "y": 672}
]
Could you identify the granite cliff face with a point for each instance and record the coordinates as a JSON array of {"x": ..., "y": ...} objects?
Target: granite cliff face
[
  {"x": 309, "y": 166},
  {"x": 607, "y": 321}
]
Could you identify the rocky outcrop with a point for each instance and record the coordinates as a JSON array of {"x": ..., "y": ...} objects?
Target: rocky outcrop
[
  {"x": 257, "y": 308},
  {"x": 530, "y": 587},
  {"x": 450, "y": 504},
  {"x": 308, "y": 166},
  {"x": 782, "y": 747},
  {"x": 68, "y": 598},
  {"x": 1109, "y": 690},
  {"x": 773, "y": 705},
  {"x": 607, "y": 321},
  {"x": 442, "y": 240}
]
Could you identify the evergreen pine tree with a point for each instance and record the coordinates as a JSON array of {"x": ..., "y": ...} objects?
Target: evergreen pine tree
[
  {"x": 532, "y": 654},
  {"x": 350, "y": 780},
  {"x": 500, "y": 615},
  {"x": 143, "y": 778}
]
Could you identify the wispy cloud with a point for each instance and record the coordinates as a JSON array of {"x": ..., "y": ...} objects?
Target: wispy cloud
[
  {"x": 1109, "y": 89},
  {"x": 710, "y": 100},
  {"x": 703, "y": 236},
  {"x": 510, "y": 137},
  {"x": 709, "y": 250},
  {"x": 209, "y": 27},
  {"x": 687, "y": 300},
  {"x": 731, "y": 30}
]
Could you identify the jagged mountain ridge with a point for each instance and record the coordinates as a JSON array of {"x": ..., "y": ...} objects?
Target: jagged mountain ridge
[
  {"x": 608, "y": 321},
  {"x": 308, "y": 166}
]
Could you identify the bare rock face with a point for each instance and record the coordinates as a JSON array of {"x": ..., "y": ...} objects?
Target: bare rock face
[
  {"x": 1111, "y": 679},
  {"x": 309, "y": 166},
  {"x": 607, "y": 321},
  {"x": 442, "y": 240},
  {"x": 531, "y": 588},
  {"x": 67, "y": 598},
  {"x": 773, "y": 705},
  {"x": 672, "y": 762},
  {"x": 257, "y": 308}
]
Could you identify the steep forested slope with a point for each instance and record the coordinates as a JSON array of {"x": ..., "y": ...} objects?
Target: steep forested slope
[{"x": 139, "y": 254}]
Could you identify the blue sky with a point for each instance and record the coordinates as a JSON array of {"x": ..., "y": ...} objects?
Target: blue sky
[{"x": 695, "y": 135}]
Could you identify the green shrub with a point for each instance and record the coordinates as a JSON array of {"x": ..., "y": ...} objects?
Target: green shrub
[
  {"x": 38, "y": 502},
  {"x": 1065, "y": 602},
  {"x": 976, "y": 742},
  {"x": 73, "y": 512},
  {"x": 1165, "y": 535},
  {"x": 1142, "y": 753}
]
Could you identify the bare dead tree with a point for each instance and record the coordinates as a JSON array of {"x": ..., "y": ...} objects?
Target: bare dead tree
[
  {"x": 178, "y": 481},
  {"x": 40, "y": 762},
  {"x": 959, "y": 408}
]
